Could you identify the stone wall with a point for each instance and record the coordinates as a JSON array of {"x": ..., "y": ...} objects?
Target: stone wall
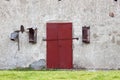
[{"x": 103, "y": 52}]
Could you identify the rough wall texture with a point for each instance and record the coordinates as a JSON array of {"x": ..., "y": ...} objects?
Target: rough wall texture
[{"x": 102, "y": 52}]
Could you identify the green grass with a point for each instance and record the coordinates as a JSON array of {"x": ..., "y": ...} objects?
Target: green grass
[{"x": 59, "y": 75}]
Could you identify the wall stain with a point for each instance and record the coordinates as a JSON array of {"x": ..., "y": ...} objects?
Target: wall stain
[
  {"x": 95, "y": 35},
  {"x": 7, "y": 0},
  {"x": 114, "y": 32},
  {"x": 118, "y": 42},
  {"x": 118, "y": 35},
  {"x": 23, "y": 1},
  {"x": 113, "y": 39},
  {"x": 110, "y": 34}
]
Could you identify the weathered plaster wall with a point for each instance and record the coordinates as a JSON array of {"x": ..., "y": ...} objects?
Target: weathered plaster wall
[{"x": 102, "y": 52}]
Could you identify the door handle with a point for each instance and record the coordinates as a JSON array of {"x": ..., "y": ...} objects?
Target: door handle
[{"x": 59, "y": 39}]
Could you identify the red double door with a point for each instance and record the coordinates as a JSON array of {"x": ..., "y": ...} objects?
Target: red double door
[{"x": 59, "y": 45}]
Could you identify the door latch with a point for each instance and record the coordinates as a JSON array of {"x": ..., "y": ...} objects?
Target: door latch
[{"x": 60, "y": 39}]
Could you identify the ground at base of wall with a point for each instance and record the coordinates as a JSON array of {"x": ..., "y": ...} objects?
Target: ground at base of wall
[
  {"x": 58, "y": 75},
  {"x": 45, "y": 69}
]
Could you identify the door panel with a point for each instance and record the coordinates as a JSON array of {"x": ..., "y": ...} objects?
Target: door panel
[
  {"x": 52, "y": 46},
  {"x": 65, "y": 31},
  {"x": 52, "y": 31},
  {"x": 65, "y": 45},
  {"x": 52, "y": 54},
  {"x": 65, "y": 54}
]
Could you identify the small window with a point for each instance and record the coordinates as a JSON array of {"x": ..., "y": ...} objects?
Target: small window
[
  {"x": 32, "y": 35},
  {"x": 86, "y": 34}
]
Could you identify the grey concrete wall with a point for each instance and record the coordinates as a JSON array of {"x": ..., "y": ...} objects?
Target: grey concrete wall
[{"x": 102, "y": 52}]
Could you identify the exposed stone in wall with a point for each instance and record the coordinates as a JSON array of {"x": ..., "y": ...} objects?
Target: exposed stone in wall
[{"x": 38, "y": 65}]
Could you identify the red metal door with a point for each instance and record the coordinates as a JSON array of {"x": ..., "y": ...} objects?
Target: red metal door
[{"x": 59, "y": 45}]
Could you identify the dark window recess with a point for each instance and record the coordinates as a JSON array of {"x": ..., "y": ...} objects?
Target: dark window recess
[
  {"x": 115, "y": 0},
  {"x": 86, "y": 34},
  {"x": 32, "y": 35}
]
